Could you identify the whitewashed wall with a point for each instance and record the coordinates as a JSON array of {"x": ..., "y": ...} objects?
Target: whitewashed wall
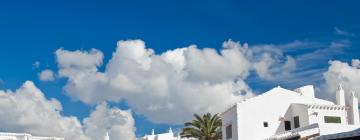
[
  {"x": 230, "y": 118},
  {"x": 272, "y": 107}
]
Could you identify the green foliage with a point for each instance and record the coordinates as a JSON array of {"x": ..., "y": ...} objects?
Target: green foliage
[{"x": 207, "y": 127}]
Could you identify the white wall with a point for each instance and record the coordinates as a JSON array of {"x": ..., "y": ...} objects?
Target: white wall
[
  {"x": 15, "y": 136},
  {"x": 319, "y": 118},
  {"x": 269, "y": 107},
  {"x": 230, "y": 117},
  {"x": 278, "y": 105},
  {"x": 301, "y": 111},
  {"x": 7, "y": 138},
  {"x": 326, "y": 129},
  {"x": 306, "y": 91},
  {"x": 25, "y": 136},
  {"x": 165, "y": 136}
]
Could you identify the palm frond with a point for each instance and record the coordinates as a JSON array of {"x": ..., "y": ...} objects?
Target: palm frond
[{"x": 205, "y": 127}]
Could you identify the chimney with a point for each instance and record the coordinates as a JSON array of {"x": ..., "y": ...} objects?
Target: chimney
[
  {"x": 107, "y": 136},
  {"x": 354, "y": 109},
  {"x": 340, "y": 96}
]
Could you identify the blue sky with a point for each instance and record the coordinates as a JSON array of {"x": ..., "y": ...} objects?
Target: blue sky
[{"x": 33, "y": 31}]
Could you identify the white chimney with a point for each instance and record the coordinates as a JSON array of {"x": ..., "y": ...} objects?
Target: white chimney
[
  {"x": 107, "y": 136},
  {"x": 354, "y": 109},
  {"x": 340, "y": 96}
]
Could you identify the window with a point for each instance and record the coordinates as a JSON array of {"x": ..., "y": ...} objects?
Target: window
[
  {"x": 266, "y": 124},
  {"x": 229, "y": 131},
  {"x": 287, "y": 125},
  {"x": 332, "y": 119},
  {"x": 296, "y": 122}
]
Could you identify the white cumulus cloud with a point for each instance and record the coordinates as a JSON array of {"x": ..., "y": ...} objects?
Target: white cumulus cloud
[
  {"x": 118, "y": 123},
  {"x": 46, "y": 75},
  {"x": 168, "y": 87},
  {"x": 27, "y": 110},
  {"x": 342, "y": 72}
]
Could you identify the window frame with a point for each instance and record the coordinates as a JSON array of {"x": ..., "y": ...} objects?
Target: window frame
[
  {"x": 332, "y": 119},
  {"x": 227, "y": 132},
  {"x": 296, "y": 122},
  {"x": 287, "y": 125},
  {"x": 265, "y": 124}
]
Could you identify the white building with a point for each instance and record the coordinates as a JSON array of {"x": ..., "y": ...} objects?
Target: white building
[
  {"x": 163, "y": 136},
  {"x": 107, "y": 137},
  {"x": 285, "y": 114},
  {"x": 24, "y": 136}
]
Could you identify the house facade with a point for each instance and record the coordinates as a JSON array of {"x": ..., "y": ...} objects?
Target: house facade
[{"x": 290, "y": 114}]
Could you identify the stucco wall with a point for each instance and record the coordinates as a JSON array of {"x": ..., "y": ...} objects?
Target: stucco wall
[
  {"x": 301, "y": 111},
  {"x": 230, "y": 117},
  {"x": 319, "y": 118},
  {"x": 165, "y": 136},
  {"x": 326, "y": 129},
  {"x": 269, "y": 107}
]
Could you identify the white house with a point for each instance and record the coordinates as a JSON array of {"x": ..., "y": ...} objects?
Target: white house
[
  {"x": 164, "y": 136},
  {"x": 285, "y": 114},
  {"x": 24, "y": 136}
]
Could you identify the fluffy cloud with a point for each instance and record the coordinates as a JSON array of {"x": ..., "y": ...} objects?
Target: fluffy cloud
[
  {"x": 78, "y": 62},
  {"x": 118, "y": 123},
  {"x": 355, "y": 63},
  {"x": 27, "y": 110},
  {"x": 269, "y": 61},
  {"x": 169, "y": 87},
  {"x": 210, "y": 66},
  {"x": 46, "y": 75},
  {"x": 342, "y": 72}
]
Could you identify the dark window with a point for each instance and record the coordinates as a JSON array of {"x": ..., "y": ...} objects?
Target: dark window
[
  {"x": 287, "y": 125},
  {"x": 332, "y": 119},
  {"x": 266, "y": 124},
  {"x": 229, "y": 132},
  {"x": 296, "y": 122}
]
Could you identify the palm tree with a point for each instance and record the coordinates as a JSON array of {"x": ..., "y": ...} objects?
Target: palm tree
[{"x": 206, "y": 127}]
